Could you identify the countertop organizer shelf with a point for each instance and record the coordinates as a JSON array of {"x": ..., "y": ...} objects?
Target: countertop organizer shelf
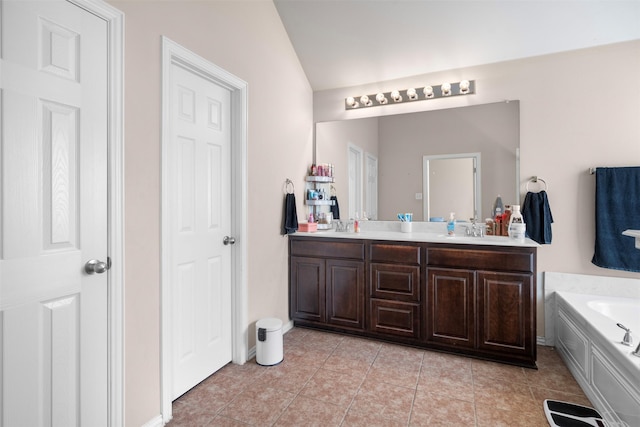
[
  {"x": 320, "y": 202},
  {"x": 324, "y": 179}
]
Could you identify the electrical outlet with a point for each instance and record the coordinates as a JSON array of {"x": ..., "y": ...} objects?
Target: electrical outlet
[{"x": 418, "y": 196}]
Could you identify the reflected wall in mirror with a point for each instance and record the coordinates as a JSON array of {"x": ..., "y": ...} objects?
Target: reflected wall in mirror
[{"x": 400, "y": 142}]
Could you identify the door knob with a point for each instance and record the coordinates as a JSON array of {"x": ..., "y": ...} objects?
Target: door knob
[
  {"x": 228, "y": 240},
  {"x": 94, "y": 266}
]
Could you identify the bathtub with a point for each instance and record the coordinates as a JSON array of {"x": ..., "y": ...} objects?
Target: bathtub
[{"x": 589, "y": 342}]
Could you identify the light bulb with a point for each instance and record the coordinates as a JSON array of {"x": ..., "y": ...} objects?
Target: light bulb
[
  {"x": 351, "y": 102},
  {"x": 428, "y": 91},
  {"x": 446, "y": 89},
  {"x": 464, "y": 86},
  {"x": 395, "y": 95},
  {"x": 364, "y": 99},
  {"x": 411, "y": 93},
  {"x": 381, "y": 98}
]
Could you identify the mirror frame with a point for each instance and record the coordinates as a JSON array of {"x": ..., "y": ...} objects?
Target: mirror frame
[{"x": 477, "y": 176}]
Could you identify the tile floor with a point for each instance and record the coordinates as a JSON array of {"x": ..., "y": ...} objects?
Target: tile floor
[{"x": 328, "y": 379}]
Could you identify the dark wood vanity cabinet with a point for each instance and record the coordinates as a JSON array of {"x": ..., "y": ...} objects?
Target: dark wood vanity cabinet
[
  {"x": 482, "y": 301},
  {"x": 470, "y": 299},
  {"x": 327, "y": 283}
]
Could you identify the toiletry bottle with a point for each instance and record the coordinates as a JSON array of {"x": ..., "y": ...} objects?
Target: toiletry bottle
[
  {"x": 517, "y": 227},
  {"x": 506, "y": 216},
  {"x": 490, "y": 227},
  {"x": 498, "y": 207},
  {"x": 451, "y": 224}
]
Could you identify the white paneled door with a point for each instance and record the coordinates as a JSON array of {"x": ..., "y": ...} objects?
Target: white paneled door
[
  {"x": 53, "y": 217},
  {"x": 200, "y": 163}
]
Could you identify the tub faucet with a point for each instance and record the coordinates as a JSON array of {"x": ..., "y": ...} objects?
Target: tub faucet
[
  {"x": 627, "y": 340},
  {"x": 637, "y": 352}
]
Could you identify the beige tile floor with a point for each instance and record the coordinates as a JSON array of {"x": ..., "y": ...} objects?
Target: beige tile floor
[{"x": 334, "y": 380}]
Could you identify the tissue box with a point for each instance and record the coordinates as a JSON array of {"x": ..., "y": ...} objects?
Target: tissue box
[{"x": 308, "y": 227}]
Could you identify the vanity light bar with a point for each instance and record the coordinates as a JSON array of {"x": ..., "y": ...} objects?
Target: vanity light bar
[{"x": 464, "y": 87}]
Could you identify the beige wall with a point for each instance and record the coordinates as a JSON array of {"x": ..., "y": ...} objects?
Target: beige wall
[
  {"x": 248, "y": 40},
  {"x": 578, "y": 110}
]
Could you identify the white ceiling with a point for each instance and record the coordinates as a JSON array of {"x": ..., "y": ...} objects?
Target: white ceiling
[{"x": 351, "y": 42}]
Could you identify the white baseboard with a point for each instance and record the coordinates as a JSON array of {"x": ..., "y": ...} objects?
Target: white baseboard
[
  {"x": 154, "y": 422},
  {"x": 541, "y": 341}
]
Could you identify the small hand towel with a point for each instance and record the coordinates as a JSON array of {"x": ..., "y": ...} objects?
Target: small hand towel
[
  {"x": 335, "y": 209},
  {"x": 617, "y": 209},
  {"x": 290, "y": 223},
  {"x": 536, "y": 214}
]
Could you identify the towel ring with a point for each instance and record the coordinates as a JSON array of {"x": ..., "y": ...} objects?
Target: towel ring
[
  {"x": 288, "y": 183},
  {"x": 535, "y": 180}
]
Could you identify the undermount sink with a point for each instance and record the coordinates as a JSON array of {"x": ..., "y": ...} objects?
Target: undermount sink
[{"x": 463, "y": 238}]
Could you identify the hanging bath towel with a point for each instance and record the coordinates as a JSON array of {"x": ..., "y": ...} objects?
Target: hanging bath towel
[
  {"x": 617, "y": 210},
  {"x": 290, "y": 223},
  {"x": 536, "y": 214},
  {"x": 335, "y": 209}
]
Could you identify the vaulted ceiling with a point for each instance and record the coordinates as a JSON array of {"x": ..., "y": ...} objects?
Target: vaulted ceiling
[{"x": 350, "y": 42}]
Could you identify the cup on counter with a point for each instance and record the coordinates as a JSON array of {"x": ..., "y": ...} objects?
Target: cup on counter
[{"x": 405, "y": 227}]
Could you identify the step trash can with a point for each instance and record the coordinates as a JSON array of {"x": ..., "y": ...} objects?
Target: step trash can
[{"x": 269, "y": 342}]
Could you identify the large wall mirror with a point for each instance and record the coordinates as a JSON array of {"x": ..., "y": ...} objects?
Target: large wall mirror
[{"x": 427, "y": 163}]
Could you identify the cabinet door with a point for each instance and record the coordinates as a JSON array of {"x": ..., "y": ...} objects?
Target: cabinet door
[
  {"x": 505, "y": 313},
  {"x": 345, "y": 293},
  {"x": 450, "y": 302},
  {"x": 307, "y": 283}
]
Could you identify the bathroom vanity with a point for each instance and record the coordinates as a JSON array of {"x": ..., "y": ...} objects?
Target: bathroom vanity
[{"x": 468, "y": 296}]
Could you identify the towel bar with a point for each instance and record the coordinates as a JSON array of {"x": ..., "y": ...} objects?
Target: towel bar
[{"x": 535, "y": 180}]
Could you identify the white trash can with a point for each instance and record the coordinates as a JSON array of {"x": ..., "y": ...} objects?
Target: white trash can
[{"x": 269, "y": 342}]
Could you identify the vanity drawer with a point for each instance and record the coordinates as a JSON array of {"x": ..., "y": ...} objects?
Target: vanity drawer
[
  {"x": 507, "y": 259},
  {"x": 395, "y": 282},
  {"x": 395, "y": 318},
  {"x": 405, "y": 254},
  {"x": 325, "y": 249}
]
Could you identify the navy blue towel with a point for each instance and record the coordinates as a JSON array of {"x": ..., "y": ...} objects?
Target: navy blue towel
[
  {"x": 335, "y": 209},
  {"x": 617, "y": 210},
  {"x": 290, "y": 223},
  {"x": 536, "y": 214}
]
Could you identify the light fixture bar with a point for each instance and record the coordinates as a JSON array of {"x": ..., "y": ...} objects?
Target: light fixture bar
[{"x": 422, "y": 93}]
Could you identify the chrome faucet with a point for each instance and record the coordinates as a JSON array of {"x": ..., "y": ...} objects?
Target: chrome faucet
[
  {"x": 476, "y": 230},
  {"x": 627, "y": 340}
]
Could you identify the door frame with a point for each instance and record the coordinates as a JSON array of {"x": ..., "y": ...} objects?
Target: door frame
[
  {"x": 114, "y": 19},
  {"x": 173, "y": 53}
]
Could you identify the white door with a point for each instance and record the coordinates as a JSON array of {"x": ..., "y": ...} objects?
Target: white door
[
  {"x": 354, "y": 165},
  {"x": 53, "y": 315},
  {"x": 201, "y": 267},
  {"x": 371, "y": 189}
]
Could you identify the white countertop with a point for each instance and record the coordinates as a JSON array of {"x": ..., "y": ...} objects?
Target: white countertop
[{"x": 422, "y": 232}]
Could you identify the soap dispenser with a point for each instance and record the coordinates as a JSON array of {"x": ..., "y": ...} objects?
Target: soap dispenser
[{"x": 451, "y": 224}]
